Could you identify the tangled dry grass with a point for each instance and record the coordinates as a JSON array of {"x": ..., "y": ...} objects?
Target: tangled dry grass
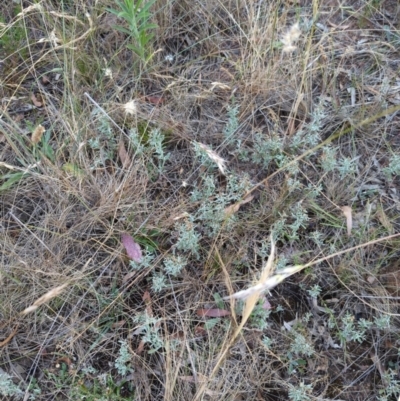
[{"x": 250, "y": 121}]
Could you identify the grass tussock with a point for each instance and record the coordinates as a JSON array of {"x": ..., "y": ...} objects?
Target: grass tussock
[{"x": 199, "y": 200}]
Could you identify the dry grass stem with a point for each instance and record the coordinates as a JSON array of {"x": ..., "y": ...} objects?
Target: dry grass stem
[
  {"x": 219, "y": 161},
  {"x": 55, "y": 292}
]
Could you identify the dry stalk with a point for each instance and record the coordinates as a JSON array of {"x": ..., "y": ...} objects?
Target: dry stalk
[{"x": 55, "y": 292}]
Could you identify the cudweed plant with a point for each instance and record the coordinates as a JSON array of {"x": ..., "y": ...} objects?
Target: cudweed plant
[
  {"x": 156, "y": 139},
  {"x": 188, "y": 240},
  {"x": 300, "y": 393},
  {"x": 393, "y": 387},
  {"x": 173, "y": 265},
  {"x": 8, "y": 388},
  {"x": 349, "y": 331},
  {"x": 299, "y": 349},
  {"x": 150, "y": 331},
  {"x": 153, "y": 149},
  {"x": 259, "y": 316},
  {"x": 232, "y": 124},
  {"x": 122, "y": 363},
  {"x": 393, "y": 168},
  {"x": 300, "y": 346},
  {"x": 137, "y": 15},
  {"x": 104, "y": 145}
]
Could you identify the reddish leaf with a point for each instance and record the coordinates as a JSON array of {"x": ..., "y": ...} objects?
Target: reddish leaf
[
  {"x": 200, "y": 331},
  {"x": 119, "y": 324},
  {"x": 123, "y": 155},
  {"x": 266, "y": 305},
  {"x": 36, "y": 101},
  {"x": 156, "y": 100},
  {"x": 147, "y": 299},
  {"x": 140, "y": 347},
  {"x": 213, "y": 312},
  {"x": 132, "y": 248}
]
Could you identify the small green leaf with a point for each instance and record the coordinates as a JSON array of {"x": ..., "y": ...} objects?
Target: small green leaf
[
  {"x": 209, "y": 324},
  {"x": 73, "y": 169},
  {"x": 11, "y": 179},
  {"x": 218, "y": 300}
]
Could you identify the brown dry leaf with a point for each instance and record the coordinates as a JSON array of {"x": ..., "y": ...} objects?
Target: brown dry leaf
[
  {"x": 65, "y": 360},
  {"x": 236, "y": 206},
  {"x": 37, "y": 134},
  {"x": 200, "y": 331},
  {"x": 147, "y": 300},
  {"x": 128, "y": 276},
  {"x": 119, "y": 324},
  {"x": 378, "y": 364},
  {"x": 45, "y": 80},
  {"x": 349, "y": 219},
  {"x": 140, "y": 347},
  {"x": 213, "y": 312},
  {"x": 156, "y": 100},
  {"x": 123, "y": 155},
  {"x": 36, "y": 101}
]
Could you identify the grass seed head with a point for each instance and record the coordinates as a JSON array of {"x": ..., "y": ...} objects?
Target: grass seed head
[{"x": 290, "y": 38}]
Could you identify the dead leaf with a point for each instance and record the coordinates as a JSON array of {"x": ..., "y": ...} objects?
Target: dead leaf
[
  {"x": 140, "y": 347},
  {"x": 36, "y": 101},
  {"x": 65, "y": 360},
  {"x": 37, "y": 134},
  {"x": 213, "y": 312},
  {"x": 128, "y": 276},
  {"x": 200, "y": 331},
  {"x": 236, "y": 206},
  {"x": 123, "y": 155},
  {"x": 119, "y": 324},
  {"x": 349, "y": 219},
  {"x": 132, "y": 248},
  {"x": 266, "y": 305},
  {"x": 147, "y": 299},
  {"x": 156, "y": 100},
  {"x": 378, "y": 364},
  {"x": 45, "y": 80}
]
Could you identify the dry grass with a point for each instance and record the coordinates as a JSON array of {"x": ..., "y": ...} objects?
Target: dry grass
[{"x": 231, "y": 87}]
